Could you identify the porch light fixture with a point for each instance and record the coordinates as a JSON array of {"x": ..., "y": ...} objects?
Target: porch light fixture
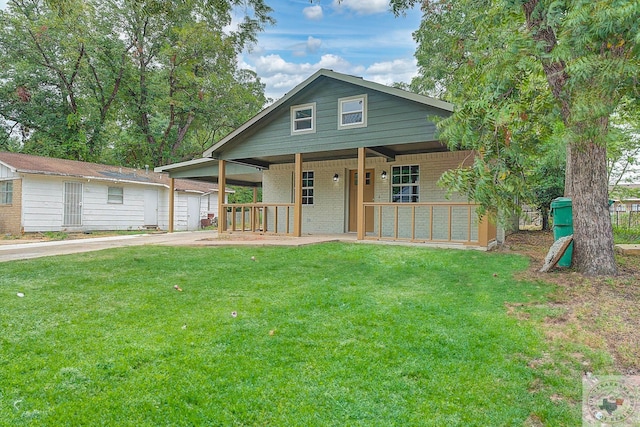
[
  {"x": 336, "y": 177},
  {"x": 383, "y": 175}
]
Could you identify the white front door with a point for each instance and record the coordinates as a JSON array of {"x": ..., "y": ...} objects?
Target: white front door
[
  {"x": 193, "y": 213},
  {"x": 151, "y": 208},
  {"x": 72, "y": 214}
]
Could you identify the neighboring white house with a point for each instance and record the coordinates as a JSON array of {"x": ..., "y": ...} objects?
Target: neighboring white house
[{"x": 46, "y": 194}]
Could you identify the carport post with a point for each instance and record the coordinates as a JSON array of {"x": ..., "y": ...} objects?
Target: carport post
[
  {"x": 172, "y": 189},
  {"x": 222, "y": 193}
]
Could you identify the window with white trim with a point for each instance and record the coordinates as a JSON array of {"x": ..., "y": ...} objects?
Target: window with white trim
[
  {"x": 6, "y": 192},
  {"x": 303, "y": 118},
  {"x": 352, "y": 112},
  {"x": 307, "y": 187},
  {"x": 115, "y": 195},
  {"x": 405, "y": 182}
]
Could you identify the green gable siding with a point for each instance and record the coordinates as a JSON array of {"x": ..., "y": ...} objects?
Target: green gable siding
[{"x": 391, "y": 120}]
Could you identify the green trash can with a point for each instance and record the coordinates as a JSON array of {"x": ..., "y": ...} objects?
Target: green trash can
[{"x": 562, "y": 211}]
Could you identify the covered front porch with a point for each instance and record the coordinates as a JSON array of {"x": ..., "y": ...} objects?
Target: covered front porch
[{"x": 339, "y": 197}]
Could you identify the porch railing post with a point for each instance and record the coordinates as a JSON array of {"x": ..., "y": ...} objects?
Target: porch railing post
[{"x": 486, "y": 231}]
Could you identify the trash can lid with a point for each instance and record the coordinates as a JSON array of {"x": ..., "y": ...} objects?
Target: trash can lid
[{"x": 561, "y": 202}]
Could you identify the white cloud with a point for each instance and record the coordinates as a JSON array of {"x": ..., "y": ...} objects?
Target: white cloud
[
  {"x": 280, "y": 76},
  {"x": 362, "y": 7},
  {"x": 313, "y": 13},
  {"x": 313, "y": 44},
  {"x": 389, "y": 72}
]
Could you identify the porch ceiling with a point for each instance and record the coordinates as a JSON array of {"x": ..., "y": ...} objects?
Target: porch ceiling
[
  {"x": 206, "y": 169},
  {"x": 388, "y": 151},
  {"x": 248, "y": 172}
]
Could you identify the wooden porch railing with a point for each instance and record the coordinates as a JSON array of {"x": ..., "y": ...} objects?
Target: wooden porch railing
[
  {"x": 273, "y": 218},
  {"x": 435, "y": 222}
]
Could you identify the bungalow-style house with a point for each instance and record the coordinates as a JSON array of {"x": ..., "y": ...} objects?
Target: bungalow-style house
[
  {"x": 40, "y": 194},
  {"x": 339, "y": 154}
]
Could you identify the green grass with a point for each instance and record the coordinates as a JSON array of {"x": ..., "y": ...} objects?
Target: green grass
[
  {"x": 625, "y": 235},
  {"x": 325, "y": 335}
]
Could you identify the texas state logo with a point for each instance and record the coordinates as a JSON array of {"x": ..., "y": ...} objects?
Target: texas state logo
[{"x": 610, "y": 400}]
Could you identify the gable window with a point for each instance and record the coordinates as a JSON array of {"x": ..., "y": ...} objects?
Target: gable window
[
  {"x": 303, "y": 118},
  {"x": 352, "y": 112},
  {"x": 6, "y": 192},
  {"x": 405, "y": 184},
  {"x": 307, "y": 187},
  {"x": 115, "y": 195}
]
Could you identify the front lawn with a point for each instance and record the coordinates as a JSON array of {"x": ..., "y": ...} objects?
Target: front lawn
[{"x": 324, "y": 335}]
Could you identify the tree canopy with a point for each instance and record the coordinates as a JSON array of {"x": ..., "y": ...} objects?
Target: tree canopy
[
  {"x": 124, "y": 81},
  {"x": 526, "y": 73}
]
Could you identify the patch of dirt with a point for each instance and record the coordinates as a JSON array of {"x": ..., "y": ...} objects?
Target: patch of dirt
[{"x": 600, "y": 312}]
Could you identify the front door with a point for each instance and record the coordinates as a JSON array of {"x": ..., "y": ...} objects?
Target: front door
[
  {"x": 72, "y": 215},
  {"x": 193, "y": 213},
  {"x": 353, "y": 199},
  {"x": 151, "y": 208}
]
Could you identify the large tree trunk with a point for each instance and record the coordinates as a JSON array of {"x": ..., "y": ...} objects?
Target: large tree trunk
[{"x": 592, "y": 232}]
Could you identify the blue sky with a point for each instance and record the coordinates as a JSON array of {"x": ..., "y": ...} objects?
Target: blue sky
[{"x": 358, "y": 37}]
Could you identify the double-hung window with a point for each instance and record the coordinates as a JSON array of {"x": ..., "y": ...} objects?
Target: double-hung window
[
  {"x": 352, "y": 112},
  {"x": 405, "y": 182},
  {"x": 6, "y": 192},
  {"x": 115, "y": 195},
  {"x": 303, "y": 119}
]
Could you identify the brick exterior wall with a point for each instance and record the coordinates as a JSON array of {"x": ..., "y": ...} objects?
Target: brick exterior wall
[
  {"x": 329, "y": 215},
  {"x": 11, "y": 215}
]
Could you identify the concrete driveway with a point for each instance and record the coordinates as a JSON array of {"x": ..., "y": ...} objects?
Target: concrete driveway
[{"x": 10, "y": 251}]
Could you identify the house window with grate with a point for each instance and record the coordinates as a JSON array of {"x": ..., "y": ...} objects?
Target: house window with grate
[
  {"x": 405, "y": 182},
  {"x": 6, "y": 192}
]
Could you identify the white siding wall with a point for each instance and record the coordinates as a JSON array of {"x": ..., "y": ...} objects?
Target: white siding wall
[
  {"x": 42, "y": 203},
  {"x": 42, "y": 208},
  {"x": 329, "y": 213},
  {"x": 208, "y": 204},
  {"x": 5, "y": 172}
]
